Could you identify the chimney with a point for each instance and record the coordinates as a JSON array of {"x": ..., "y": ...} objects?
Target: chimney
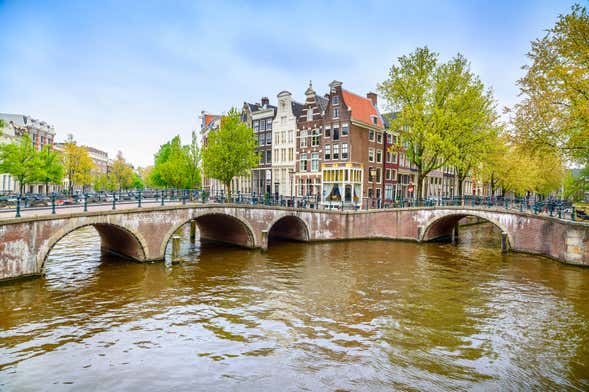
[
  {"x": 265, "y": 101},
  {"x": 372, "y": 97}
]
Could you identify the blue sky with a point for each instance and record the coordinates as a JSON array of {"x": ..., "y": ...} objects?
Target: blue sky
[{"x": 128, "y": 75}]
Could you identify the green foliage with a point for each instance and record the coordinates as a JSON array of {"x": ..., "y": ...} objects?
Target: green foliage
[
  {"x": 121, "y": 173},
  {"x": 77, "y": 164},
  {"x": 177, "y": 166},
  {"x": 21, "y": 160},
  {"x": 575, "y": 186},
  {"x": 50, "y": 168},
  {"x": 442, "y": 111},
  {"x": 554, "y": 111},
  {"x": 230, "y": 150},
  {"x": 137, "y": 182}
]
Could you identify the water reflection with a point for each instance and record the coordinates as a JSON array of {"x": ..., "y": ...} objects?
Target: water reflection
[{"x": 360, "y": 315}]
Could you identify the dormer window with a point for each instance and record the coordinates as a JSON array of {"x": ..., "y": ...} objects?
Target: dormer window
[
  {"x": 374, "y": 120},
  {"x": 310, "y": 114},
  {"x": 335, "y": 100}
]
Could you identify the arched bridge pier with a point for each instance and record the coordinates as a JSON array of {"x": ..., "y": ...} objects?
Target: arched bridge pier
[{"x": 142, "y": 234}]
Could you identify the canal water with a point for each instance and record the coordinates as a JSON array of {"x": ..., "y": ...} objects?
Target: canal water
[{"x": 358, "y": 316}]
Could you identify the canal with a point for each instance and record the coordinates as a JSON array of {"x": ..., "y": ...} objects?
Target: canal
[{"x": 357, "y": 315}]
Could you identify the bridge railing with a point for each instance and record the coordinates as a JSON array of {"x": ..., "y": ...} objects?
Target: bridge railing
[{"x": 19, "y": 204}]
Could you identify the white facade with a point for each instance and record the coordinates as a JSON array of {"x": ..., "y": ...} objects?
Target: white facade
[{"x": 284, "y": 146}]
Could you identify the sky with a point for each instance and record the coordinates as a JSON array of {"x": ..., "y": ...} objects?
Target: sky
[{"x": 130, "y": 75}]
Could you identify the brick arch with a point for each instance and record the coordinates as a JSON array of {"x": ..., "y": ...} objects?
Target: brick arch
[
  {"x": 443, "y": 224},
  {"x": 218, "y": 226},
  {"x": 290, "y": 227},
  {"x": 114, "y": 239}
]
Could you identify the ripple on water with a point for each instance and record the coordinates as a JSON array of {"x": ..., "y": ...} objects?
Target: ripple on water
[{"x": 361, "y": 315}]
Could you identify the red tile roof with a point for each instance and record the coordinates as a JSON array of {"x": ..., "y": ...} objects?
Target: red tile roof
[
  {"x": 362, "y": 109},
  {"x": 209, "y": 118}
]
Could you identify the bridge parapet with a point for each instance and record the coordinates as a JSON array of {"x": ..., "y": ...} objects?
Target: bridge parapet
[{"x": 143, "y": 233}]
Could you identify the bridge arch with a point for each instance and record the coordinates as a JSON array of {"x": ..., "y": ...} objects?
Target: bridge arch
[
  {"x": 441, "y": 226},
  {"x": 289, "y": 227},
  {"x": 114, "y": 238},
  {"x": 217, "y": 226}
]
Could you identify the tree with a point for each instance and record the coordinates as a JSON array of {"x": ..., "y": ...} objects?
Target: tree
[
  {"x": 137, "y": 182},
  {"x": 121, "y": 172},
  {"x": 77, "y": 164},
  {"x": 439, "y": 108},
  {"x": 177, "y": 165},
  {"x": 193, "y": 160},
  {"x": 20, "y": 160},
  {"x": 50, "y": 167},
  {"x": 554, "y": 112},
  {"x": 230, "y": 150}
]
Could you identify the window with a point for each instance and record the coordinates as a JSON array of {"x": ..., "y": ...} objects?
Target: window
[
  {"x": 291, "y": 154},
  {"x": 336, "y": 151},
  {"x": 315, "y": 138},
  {"x": 263, "y": 125},
  {"x": 389, "y": 138},
  {"x": 309, "y": 114},
  {"x": 370, "y": 171},
  {"x": 371, "y": 155},
  {"x": 303, "y": 162},
  {"x": 269, "y": 139},
  {"x": 269, "y": 156},
  {"x": 303, "y": 141},
  {"x": 256, "y": 126},
  {"x": 335, "y": 112},
  {"x": 315, "y": 162},
  {"x": 374, "y": 120},
  {"x": 371, "y": 135},
  {"x": 379, "y": 137},
  {"x": 335, "y": 100},
  {"x": 327, "y": 132},
  {"x": 335, "y": 133},
  {"x": 283, "y": 154},
  {"x": 261, "y": 139},
  {"x": 327, "y": 151},
  {"x": 378, "y": 193},
  {"x": 379, "y": 156},
  {"x": 269, "y": 124},
  {"x": 378, "y": 174},
  {"x": 283, "y": 137},
  {"x": 276, "y": 136},
  {"x": 387, "y": 174},
  {"x": 290, "y": 136},
  {"x": 344, "y": 150},
  {"x": 345, "y": 130}
]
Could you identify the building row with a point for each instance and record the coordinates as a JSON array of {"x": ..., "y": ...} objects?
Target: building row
[
  {"x": 41, "y": 134},
  {"x": 336, "y": 147}
]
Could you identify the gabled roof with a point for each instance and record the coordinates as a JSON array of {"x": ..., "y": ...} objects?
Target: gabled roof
[
  {"x": 209, "y": 118},
  {"x": 362, "y": 109},
  {"x": 321, "y": 102},
  {"x": 297, "y": 108}
]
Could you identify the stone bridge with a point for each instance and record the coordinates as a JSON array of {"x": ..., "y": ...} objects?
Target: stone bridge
[{"x": 142, "y": 234}]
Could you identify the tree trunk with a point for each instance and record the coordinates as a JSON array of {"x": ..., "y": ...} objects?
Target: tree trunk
[
  {"x": 460, "y": 186},
  {"x": 418, "y": 186},
  {"x": 228, "y": 189},
  {"x": 46, "y": 188}
]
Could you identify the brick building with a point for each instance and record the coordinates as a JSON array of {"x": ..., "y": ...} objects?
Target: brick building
[{"x": 308, "y": 145}]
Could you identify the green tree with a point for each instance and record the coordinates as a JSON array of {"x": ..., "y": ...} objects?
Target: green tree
[
  {"x": 77, "y": 164},
  {"x": 121, "y": 173},
  {"x": 20, "y": 160},
  {"x": 50, "y": 167},
  {"x": 137, "y": 182},
  {"x": 554, "y": 111},
  {"x": 230, "y": 150},
  {"x": 440, "y": 109},
  {"x": 193, "y": 163}
]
